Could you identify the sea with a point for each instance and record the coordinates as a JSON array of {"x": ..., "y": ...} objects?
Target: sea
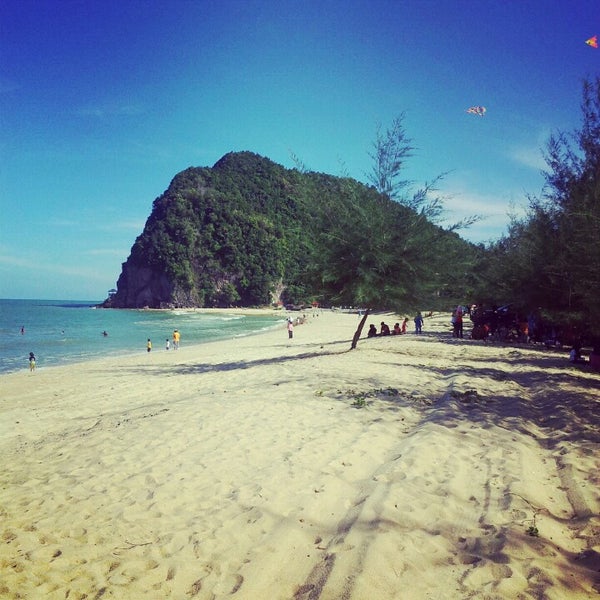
[{"x": 62, "y": 332}]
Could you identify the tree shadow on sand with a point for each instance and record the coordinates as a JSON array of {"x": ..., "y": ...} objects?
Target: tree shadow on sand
[
  {"x": 543, "y": 390},
  {"x": 557, "y": 397},
  {"x": 534, "y": 392},
  {"x": 320, "y": 350}
]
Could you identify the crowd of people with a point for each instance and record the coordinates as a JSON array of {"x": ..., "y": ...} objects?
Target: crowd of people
[
  {"x": 488, "y": 321},
  {"x": 398, "y": 329}
]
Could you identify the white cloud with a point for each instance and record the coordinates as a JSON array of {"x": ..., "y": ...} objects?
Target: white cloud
[
  {"x": 111, "y": 110},
  {"x": 529, "y": 153},
  {"x": 116, "y": 224},
  {"x": 494, "y": 210},
  {"x": 106, "y": 252},
  {"x": 30, "y": 278},
  {"x": 59, "y": 269},
  {"x": 60, "y": 222},
  {"x": 133, "y": 225},
  {"x": 16, "y": 261},
  {"x": 529, "y": 157}
]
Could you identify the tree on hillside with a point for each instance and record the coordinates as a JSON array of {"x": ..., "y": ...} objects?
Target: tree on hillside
[
  {"x": 380, "y": 246},
  {"x": 391, "y": 149}
]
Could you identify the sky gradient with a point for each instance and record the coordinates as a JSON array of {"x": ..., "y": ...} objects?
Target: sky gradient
[{"x": 103, "y": 103}]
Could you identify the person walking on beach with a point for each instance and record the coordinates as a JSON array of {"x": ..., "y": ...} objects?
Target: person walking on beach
[
  {"x": 418, "y": 322},
  {"x": 176, "y": 337},
  {"x": 290, "y": 328},
  {"x": 167, "y": 344},
  {"x": 404, "y": 324},
  {"x": 31, "y": 361},
  {"x": 149, "y": 345}
]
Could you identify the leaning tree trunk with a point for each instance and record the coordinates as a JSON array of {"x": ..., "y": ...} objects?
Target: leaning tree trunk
[{"x": 359, "y": 330}]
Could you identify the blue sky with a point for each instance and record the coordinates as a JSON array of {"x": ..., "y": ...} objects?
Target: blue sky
[{"x": 102, "y": 103}]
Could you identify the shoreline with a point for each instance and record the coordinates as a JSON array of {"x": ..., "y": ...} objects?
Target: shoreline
[
  {"x": 264, "y": 467},
  {"x": 92, "y": 353}
]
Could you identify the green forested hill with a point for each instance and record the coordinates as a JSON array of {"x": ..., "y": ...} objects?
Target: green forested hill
[{"x": 249, "y": 232}]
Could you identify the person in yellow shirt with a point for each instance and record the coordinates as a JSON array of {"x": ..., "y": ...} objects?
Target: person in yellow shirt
[{"x": 149, "y": 345}]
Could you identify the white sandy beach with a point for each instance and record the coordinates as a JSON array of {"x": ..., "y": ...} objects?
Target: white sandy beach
[{"x": 242, "y": 469}]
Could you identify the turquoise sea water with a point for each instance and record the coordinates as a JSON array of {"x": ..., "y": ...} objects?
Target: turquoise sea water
[{"x": 63, "y": 332}]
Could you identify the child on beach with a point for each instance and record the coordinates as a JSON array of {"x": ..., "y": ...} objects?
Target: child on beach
[
  {"x": 167, "y": 344},
  {"x": 404, "y": 324},
  {"x": 418, "y": 322},
  {"x": 457, "y": 322},
  {"x": 31, "y": 361},
  {"x": 149, "y": 345}
]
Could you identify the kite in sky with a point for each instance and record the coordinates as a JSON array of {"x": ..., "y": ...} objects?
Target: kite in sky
[
  {"x": 593, "y": 42},
  {"x": 477, "y": 110}
]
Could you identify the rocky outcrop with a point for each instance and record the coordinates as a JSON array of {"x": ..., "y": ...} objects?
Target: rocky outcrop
[
  {"x": 140, "y": 286},
  {"x": 143, "y": 287}
]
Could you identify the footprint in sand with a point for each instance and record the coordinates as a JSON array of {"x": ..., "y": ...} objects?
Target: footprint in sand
[
  {"x": 9, "y": 536},
  {"x": 197, "y": 585},
  {"x": 113, "y": 565},
  {"x": 120, "y": 579},
  {"x": 500, "y": 571},
  {"x": 229, "y": 585},
  {"x": 195, "y": 588},
  {"x": 538, "y": 582}
]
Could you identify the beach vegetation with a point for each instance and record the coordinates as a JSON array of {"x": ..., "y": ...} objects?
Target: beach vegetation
[
  {"x": 532, "y": 530},
  {"x": 549, "y": 259},
  {"x": 360, "y": 397},
  {"x": 384, "y": 247},
  {"x": 360, "y": 402},
  {"x": 391, "y": 150}
]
